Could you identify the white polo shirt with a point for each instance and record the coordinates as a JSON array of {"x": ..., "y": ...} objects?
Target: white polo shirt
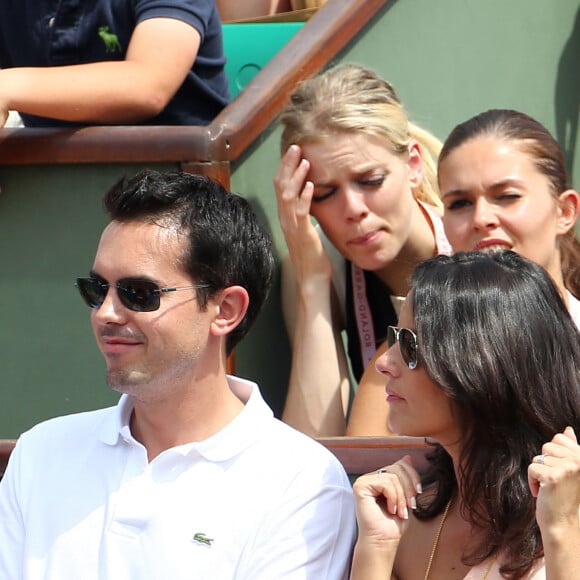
[{"x": 257, "y": 501}]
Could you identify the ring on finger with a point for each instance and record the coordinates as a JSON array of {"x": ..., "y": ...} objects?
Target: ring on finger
[
  {"x": 539, "y": 459},
  {"x": 381, "y": 471}
]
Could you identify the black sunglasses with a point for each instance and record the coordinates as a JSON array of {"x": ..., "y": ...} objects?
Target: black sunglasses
[
  {"x": 407, "y": 340},
  {"x": 135, "y": 294}
]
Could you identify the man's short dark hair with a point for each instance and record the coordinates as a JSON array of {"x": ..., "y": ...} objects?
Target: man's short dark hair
[{"x": 226, "y": 246}]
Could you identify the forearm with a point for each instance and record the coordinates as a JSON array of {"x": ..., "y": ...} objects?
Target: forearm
[
  {"x": 370, "y": 412},
  {"x": 104, "y": 92},
  {"x": 562, "y": 554},
  {"x": 318, "y": 390},
  {"x": 159, "y": 57},
  {"x": 372, "y": 561},
  {"x": 553, "y": 477}
]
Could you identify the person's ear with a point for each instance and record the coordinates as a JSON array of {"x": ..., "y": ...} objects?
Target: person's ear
[
  {"x": 568, "y": 208},
  {"x": 415, "y": 163},
  {"x": 232, "y": 304}
]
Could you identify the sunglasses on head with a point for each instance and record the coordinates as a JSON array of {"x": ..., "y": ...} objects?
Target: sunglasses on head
[
  {"x": 407, "y": 340},
  {"x": 135, "y": 294}
]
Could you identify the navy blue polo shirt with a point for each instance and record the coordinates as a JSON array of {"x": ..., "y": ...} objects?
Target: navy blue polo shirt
[{"x": 61, "y": 32}]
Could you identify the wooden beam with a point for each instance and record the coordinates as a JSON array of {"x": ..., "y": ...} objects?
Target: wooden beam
[
  {"x": 360, "y": 455},
  {"x": 230, "y": 133}
]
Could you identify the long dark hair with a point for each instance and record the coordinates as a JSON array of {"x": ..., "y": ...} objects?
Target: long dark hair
[
  {"x": 496, "y": 336},
  {"x": 545, "y": 153}
]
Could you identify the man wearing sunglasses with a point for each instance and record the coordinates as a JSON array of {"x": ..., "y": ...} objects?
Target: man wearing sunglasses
[{"x": 189, "y": 476}]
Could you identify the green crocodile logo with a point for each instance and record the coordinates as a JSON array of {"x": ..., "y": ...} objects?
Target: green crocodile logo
[
  {"x": 111, "y": 40},
  {"x": 201, "y": 538}
]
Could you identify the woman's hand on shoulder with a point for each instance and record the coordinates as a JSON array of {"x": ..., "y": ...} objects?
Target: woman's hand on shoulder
[
  {"x": 554, "y": 479},
  {"x": 383, "y": 500}
]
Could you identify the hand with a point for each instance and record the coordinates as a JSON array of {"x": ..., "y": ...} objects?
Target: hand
[
  {"x": 294, "y": 197},
  {"x": 554, "y": 479},
  {"x": 383, "y": 499}
]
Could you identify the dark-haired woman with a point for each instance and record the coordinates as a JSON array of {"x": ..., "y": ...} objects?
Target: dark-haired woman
[{"x": 486, "y": 362}]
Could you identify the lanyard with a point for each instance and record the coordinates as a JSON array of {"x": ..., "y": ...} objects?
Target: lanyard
[{"x": 364, "y": 322}]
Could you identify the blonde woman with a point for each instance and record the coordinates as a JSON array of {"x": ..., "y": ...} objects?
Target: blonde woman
[{"x": 354, "y": 162}]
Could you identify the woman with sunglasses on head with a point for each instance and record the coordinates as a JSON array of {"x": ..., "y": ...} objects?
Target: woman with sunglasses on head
[
  {"x": 486, "y": 363},
  {"x": 504, "y": 184},
  {"x": 354, "y": 162}
]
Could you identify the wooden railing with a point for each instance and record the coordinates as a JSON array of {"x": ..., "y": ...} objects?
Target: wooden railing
[
  {"x": 357, "y": 454},
  {"x": 364, "y": 454},
  {"x": 208, "y": 150}
]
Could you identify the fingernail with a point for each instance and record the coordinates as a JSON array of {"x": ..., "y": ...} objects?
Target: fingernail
[
  {"x": 413, "y": 503},
  {"x": 405, "y": 513},
  {"x": 419, "y": 488}
]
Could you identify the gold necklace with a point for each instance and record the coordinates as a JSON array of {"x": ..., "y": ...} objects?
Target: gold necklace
[{"x": 436, "y": 543}]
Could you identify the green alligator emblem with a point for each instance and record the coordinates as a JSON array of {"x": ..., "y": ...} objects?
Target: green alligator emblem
[
  {"x": 202, "y": 539},
  {"x": 111, "y": 40}
]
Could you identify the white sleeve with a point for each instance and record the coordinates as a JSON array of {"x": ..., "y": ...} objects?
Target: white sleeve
[
  {"x": 310, "y": 534},
  {"x": 12, "y": 534}
]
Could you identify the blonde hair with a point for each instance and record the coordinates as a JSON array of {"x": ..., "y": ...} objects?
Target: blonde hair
[{"x": 351, "y": 98}]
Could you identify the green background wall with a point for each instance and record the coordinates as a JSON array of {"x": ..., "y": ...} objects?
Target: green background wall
[{"x": 448, "y": 59}]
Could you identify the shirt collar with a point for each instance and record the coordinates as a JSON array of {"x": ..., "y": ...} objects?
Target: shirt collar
[{"x": 242, "y": 432}]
